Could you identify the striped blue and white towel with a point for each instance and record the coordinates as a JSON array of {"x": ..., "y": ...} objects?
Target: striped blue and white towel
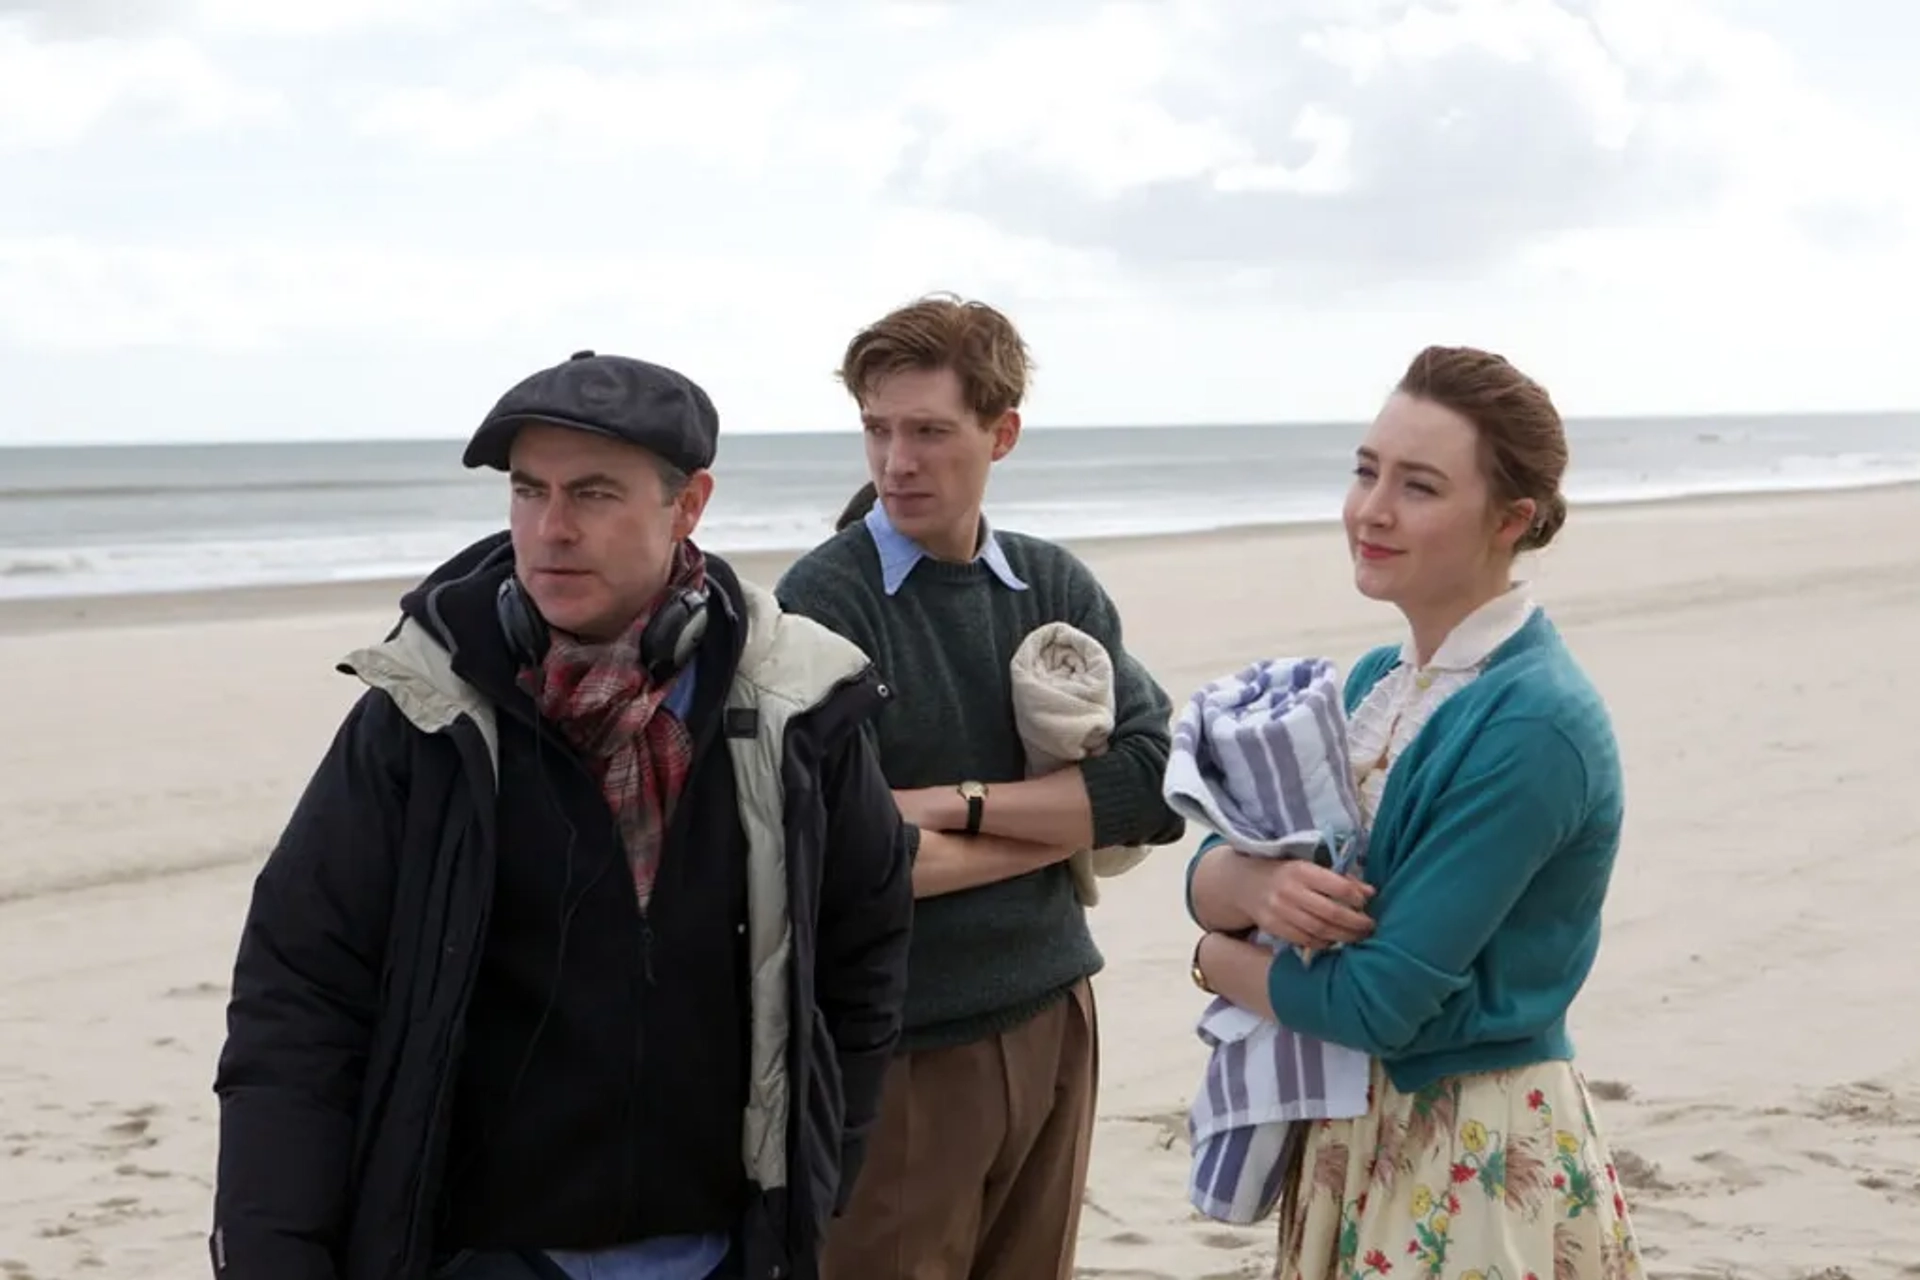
[{"x": 1260, "y": 759}]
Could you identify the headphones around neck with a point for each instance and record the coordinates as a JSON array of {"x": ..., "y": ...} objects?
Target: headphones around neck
[{"x": 667, "y": 642}]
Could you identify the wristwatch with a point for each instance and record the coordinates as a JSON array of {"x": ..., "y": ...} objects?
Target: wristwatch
[
  {"x": 1199, "y": 977},
  {"x": 975, "y": 794}
]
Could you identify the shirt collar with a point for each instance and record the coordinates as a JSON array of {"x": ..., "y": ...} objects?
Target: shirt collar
[
  {"x": 1478, "y": 634},
  {"x": 899, "y": 553},
  {"x": 679, "y": 698}
]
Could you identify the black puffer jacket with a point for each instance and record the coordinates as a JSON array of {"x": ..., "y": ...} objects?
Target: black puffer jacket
[{"x": 348, "y": 1079}]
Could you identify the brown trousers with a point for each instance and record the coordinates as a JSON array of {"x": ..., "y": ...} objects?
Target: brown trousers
[{"x": 976, "y": 1167}]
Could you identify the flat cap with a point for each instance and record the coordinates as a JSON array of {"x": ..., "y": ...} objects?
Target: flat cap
[{"x": 648, "y": 405}]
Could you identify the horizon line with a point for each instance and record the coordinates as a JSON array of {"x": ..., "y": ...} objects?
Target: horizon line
[{"x": 1714, "y": 415}]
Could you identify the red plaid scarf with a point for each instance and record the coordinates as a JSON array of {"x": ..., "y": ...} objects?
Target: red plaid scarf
[{"x": 603, "y": 703}]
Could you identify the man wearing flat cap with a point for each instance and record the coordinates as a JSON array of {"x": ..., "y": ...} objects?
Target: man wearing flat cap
[{"x": 583, "y": 953}]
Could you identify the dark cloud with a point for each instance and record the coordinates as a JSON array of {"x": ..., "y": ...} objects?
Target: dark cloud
[{"x": 1456, "y": 160}]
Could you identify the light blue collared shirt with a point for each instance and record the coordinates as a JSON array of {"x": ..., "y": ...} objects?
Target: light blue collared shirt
[
  {"x": 899, "y": 553},
  {"x": 680, "y": 696}
]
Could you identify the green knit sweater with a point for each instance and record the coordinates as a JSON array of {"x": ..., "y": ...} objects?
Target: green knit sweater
[{"x": 985, "y": 959}]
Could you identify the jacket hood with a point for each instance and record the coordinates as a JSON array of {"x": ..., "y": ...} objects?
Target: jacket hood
[
  {"x": 447, "y": 657},
  {"x": 447, "y": 601}
]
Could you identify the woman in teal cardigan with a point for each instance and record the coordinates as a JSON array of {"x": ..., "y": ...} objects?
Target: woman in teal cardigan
[{"x": 1490, "y": 779}]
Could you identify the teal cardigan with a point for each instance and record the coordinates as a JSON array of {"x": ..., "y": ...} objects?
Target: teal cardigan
[{"x": 1491, "y": 852}]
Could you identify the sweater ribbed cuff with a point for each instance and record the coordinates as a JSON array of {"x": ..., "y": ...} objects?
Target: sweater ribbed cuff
[{"x": 1124, "y": 810}]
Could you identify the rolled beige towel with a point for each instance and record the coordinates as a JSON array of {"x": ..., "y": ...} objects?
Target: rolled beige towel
[{"x": 1063, "y": 707}]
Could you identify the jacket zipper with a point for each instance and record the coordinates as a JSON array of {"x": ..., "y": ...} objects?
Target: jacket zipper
[
  {"x": 646, "y": 946},
  {"x": 676, "y": 831}
]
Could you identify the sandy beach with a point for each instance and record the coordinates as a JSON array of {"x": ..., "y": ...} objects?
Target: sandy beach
[{"x": 1750, "y": 1022}]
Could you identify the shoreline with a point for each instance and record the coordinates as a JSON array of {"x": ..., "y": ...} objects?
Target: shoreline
[{"x": 39, "y": 615}]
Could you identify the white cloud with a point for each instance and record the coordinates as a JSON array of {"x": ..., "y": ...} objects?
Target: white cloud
[
  {"x": 671, "y": 24},
  {"x": 1323, "y": 149},
  {"x": 915, "y": 14},
  {"x": 734, "y": 120},
  {"x": 1327, "y": 143},
  {"x": 602, "y": 25},
  {"x": 1200, "y": 208},
  {"x": 1393, "y": 140},
  {"x": 285, "y": 19},
  {"x": 1789, "y": 147},
  {"x": 1077, "y": 100},
  {"x": 637, "y": 93},
  {"x": 664, "y": 23},
  {"x": 64, "y": 292},
  {"x": 1508, "y": 33},
  {"x": 54, "y": 93}
]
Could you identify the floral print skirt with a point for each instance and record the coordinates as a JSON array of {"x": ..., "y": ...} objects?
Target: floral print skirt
[{"x": 1497, "y": 1176}]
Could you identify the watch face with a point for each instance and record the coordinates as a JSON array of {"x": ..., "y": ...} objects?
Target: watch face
[{"x": 973, "y": 790}]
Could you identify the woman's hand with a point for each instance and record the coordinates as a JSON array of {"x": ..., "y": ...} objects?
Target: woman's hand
[{"x": 1302, "y": 903}]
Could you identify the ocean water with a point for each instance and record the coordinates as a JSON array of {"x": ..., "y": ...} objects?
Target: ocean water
[{"x": 103, "y": 520}]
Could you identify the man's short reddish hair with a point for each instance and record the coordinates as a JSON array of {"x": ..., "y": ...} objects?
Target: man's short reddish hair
[{"x": 941, "y": 331}]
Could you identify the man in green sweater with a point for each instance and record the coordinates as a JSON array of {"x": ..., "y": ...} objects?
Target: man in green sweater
[{"x": 979, "y": 1158}]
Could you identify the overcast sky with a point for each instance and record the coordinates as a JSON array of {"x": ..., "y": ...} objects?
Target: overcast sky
[{"x": 342, "y": 218}]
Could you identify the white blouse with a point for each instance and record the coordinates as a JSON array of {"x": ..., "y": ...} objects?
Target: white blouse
[{"x": 1396, "y": 708}]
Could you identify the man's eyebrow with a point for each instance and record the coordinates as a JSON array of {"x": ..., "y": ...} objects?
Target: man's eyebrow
[
  {"x": 593, "y": 480},
  {"x": 911, "y": 420}
]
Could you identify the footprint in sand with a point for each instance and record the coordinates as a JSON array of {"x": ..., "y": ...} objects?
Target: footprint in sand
[
  {"x": 1225, "y": 1240},
  {"x": 198, "y": 989},
  {"x": 1731, "y": 1168},
  {"x": 133, "y": 1131},
  {"x": 1639, "y": 1173},
  {"x": 111, "y": 1210},
  {"x": 1868, "y": 1103},
  {"x": 1089, "y": 1205},
  {"x": 1892, "y": 1188},
  {"x": 1170, "y": 1127},
  {"x": 135, "y": 1171}
]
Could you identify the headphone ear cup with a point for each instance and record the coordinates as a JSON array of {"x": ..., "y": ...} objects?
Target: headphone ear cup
[
  {"x": 673, "y": 634},
  {"x": 520, "y": 624},
  {"x": 692, "y": 632}
]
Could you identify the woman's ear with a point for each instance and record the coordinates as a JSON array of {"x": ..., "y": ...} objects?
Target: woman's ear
[{"x": 1515, "y": 520}]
